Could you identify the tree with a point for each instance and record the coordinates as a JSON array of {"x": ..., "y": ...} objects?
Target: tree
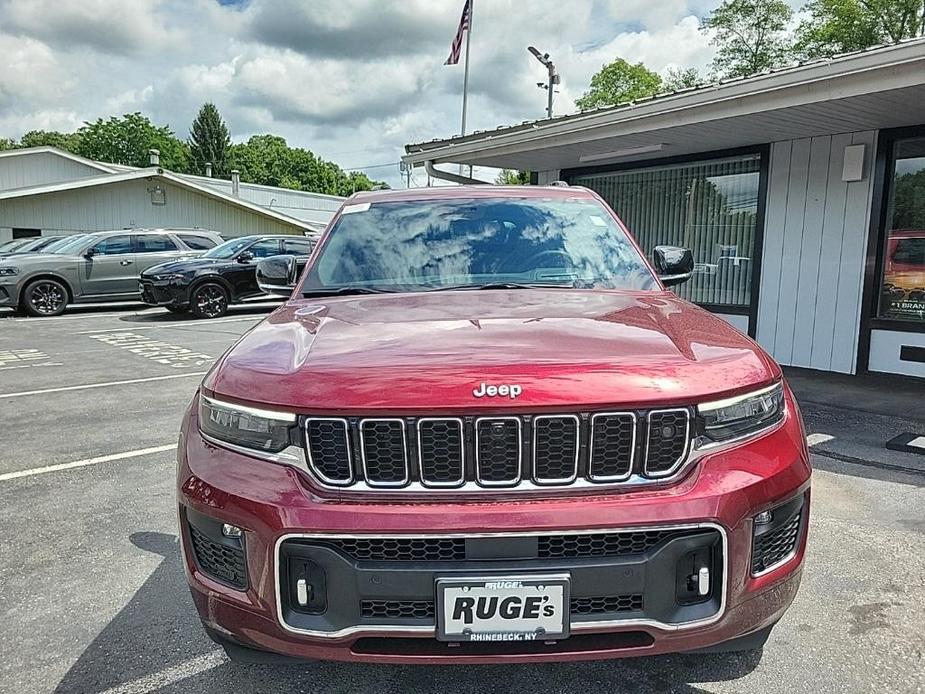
[
  {"x": 268, "y": 160},
  {"x": 50, "y": 138},
  {"x": 840, "y": 26},
  {"x": 617, "y": 83},
  {"x": 126, "y": 140},
  {"x": 208, "y": 142},
  {"x": 750, "y": 36},
  {"x": 7, "y": 143},
  {"x": 681, "y": 78},
  {"x": 510, "y": 177}
]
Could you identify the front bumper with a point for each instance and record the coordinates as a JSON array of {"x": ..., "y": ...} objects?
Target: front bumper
[
  {"x": 162, "y": 293},
  {"x": 286, "y": 520},
  {"x": 9, "y": 294}
]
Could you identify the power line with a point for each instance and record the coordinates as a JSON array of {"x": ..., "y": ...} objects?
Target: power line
[{"x": 371, "y": 166}]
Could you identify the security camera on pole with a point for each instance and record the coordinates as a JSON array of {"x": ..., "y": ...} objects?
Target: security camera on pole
[{"x": 553, "y": 77}]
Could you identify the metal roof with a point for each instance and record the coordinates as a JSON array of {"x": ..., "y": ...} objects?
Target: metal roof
[{"x": 825, "y": 81}]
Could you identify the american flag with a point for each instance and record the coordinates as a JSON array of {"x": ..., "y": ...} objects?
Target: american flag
[{"x": 457, "y": 41}]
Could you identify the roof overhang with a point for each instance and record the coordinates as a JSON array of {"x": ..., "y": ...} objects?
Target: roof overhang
[{"x": 868, "y": 90}]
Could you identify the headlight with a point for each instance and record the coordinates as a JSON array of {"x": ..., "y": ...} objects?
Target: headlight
[
  {"x": 744, "y": 414},
  {"x": 263, "y": 431},
  {"x": 8, "y": 271}
]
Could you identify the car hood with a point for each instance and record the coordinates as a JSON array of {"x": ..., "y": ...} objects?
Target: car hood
[
  {"x": 36, "y": 258},
  {"x": 428, "y": 352},
  {"x": 184, "y": 265}
]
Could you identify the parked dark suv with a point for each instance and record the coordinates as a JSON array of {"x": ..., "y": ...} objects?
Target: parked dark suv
[{"x": 224, "y": 275}]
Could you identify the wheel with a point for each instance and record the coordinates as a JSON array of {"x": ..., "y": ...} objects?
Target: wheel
[
  {"x": 177, "y": 309},
  {"x": 44, "y": 297},
  {"x": 209, "y": 300}
]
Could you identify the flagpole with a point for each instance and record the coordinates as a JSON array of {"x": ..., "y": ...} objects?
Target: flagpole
[
  {"x": 462, "y": 130},
  {"x": 466, "y": 74}
]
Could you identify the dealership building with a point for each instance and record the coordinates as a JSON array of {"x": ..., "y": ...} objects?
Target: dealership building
[{"x": 800, "y": 191}]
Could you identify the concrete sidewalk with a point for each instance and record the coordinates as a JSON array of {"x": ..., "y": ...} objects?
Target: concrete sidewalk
[{"x": 851, "y": 418}]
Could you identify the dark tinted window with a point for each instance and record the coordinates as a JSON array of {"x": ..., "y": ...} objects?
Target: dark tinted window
[
  {"x": 265, "y": 248},
  {"x": 154, "y": 243},
  {"x": 114, "y": 245},
  {"x": 198, "y": 243},
  {"x": 409, "y": 246},
  {"x": 298, "y": 246},
  {"x": 910, "y": 251}
]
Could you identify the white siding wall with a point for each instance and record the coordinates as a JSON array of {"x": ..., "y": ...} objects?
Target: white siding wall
[
  {"x": 812, "y": 265},
  {"x": 38, "y": 168},
  {"x": 128, "y": 204},
  {"x": 545, "y": 177}
]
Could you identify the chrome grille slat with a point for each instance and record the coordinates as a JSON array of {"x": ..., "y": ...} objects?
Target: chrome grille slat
[
  {"x": 613, "y": 446},
  {"x": 498, "y": 451},
  {"x": 441, "y": 451},
  {"x": 556, "y": 447},
  {"x": 384, "y": 448}
]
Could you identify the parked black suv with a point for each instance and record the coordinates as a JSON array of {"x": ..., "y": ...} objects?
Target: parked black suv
[{"x": 224, "y": 275}]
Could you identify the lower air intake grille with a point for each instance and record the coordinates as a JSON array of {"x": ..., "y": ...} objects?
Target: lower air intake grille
[
  {"x": 399, "y": 548},
  {"x": 600, "y": 545},
  {"x": 606, "y": 604},
  {"x": 225, "y": 564},
  {"x": 397, "y": 609},
  {"x": 775, "y": 547}
]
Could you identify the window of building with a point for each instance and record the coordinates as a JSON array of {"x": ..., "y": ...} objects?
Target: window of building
[
  {"x": 902, "y": 286},
  {"x": 26, "y": 233},
  {"x": 708, "y": 206},
  {"x": 154, "y": 243},
  {"x": 198, "y": 243}
]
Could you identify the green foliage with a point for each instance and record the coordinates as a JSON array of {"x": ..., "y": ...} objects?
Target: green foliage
[
  {"x": 268, "y": 160},
  {"x": 750, "y": 36},
  {"x": 51, "y": 138},
  {"x": 7, "y": 143},
  {"x": 681, "y": 78},
  {"x": 126, "y": 140},
  {"x": 510, "y": 177},
  {"x": 840, "y": 26},
  {"x": 619, "y": 82},
  {"x": 209, "y": 142},
  {"x": 909, "y": 201}
]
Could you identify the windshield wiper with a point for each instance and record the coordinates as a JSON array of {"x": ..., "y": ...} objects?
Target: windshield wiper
[
  {"x": 503, "y": 285},
  {"x": 344, "y": 291}
]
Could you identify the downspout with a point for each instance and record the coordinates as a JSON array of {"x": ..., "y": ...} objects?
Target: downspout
[{"x": 453, "y": 178}]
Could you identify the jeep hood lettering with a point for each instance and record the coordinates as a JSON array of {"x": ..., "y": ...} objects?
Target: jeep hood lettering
[{"x": 427, "y": 352}]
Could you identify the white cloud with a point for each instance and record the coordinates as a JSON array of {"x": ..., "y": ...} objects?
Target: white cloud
[{"x": 353, "y": 80}]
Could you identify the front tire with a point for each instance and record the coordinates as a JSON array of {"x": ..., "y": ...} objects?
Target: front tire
[
  {"x": 209, "y": 300},
  {"x": 44, "y": 297}
]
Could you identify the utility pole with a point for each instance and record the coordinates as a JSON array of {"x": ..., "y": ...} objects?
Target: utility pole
[{"x": 552, "y": 77}]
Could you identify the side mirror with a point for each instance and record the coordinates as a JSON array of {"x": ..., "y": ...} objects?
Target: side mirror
[
  {"x": 278, "y": 275},
  {"x": 674, "y": 265},
  {"x": 89, "y": 253},
  {"x": 245, "y": 257}
]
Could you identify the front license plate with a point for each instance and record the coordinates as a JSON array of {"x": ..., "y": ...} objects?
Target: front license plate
[{"x": 503, "y": 608}]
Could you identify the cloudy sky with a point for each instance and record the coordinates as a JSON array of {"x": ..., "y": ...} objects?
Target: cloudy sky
[{"x": 353, "y": 80}]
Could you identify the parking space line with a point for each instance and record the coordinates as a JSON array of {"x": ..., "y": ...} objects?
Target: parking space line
[
  {"x": 85, "y": 462},
  {"x": 107, "y": 384},
  {"x": 159, "y": 680},
  {"x": 175, "y": 324}
]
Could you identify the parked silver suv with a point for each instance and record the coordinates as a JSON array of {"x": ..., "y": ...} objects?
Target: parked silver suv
[{"x": 101, "y": 266}]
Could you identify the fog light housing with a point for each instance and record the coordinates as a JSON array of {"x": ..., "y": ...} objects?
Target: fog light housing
[
  {"x": 229, "y": 530},
  {"x": 764, "y": 518}
]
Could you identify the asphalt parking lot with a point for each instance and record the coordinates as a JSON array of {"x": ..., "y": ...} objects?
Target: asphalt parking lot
[{"x": 93, "y": 597}]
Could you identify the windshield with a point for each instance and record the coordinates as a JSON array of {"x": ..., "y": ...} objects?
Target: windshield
[
  {"x": 12, "y": 245},
  {"x": 67, "y": 244},
  {"x": 34, "y": 244},
  {"x": 460, "y": 243},
  {"x": 229, "y": 248}
]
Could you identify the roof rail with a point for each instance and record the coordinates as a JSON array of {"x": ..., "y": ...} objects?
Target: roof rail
[{"x": 560, "y": 184}]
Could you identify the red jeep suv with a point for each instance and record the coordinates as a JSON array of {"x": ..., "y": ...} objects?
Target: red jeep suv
[{"x": 481, "y": 430}]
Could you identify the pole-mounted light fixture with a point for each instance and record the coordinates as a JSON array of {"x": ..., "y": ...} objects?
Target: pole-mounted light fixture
[{"x": 552, "y": 77}]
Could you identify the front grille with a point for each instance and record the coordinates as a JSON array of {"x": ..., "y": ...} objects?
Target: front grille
[
  {"x": 776, "y": 546},
  {"x": 605, "y": 604},
  {"x": 562, "y": 546},
  {"x": 219, "y": 561},
  {"x": 498, "y": 451}
]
